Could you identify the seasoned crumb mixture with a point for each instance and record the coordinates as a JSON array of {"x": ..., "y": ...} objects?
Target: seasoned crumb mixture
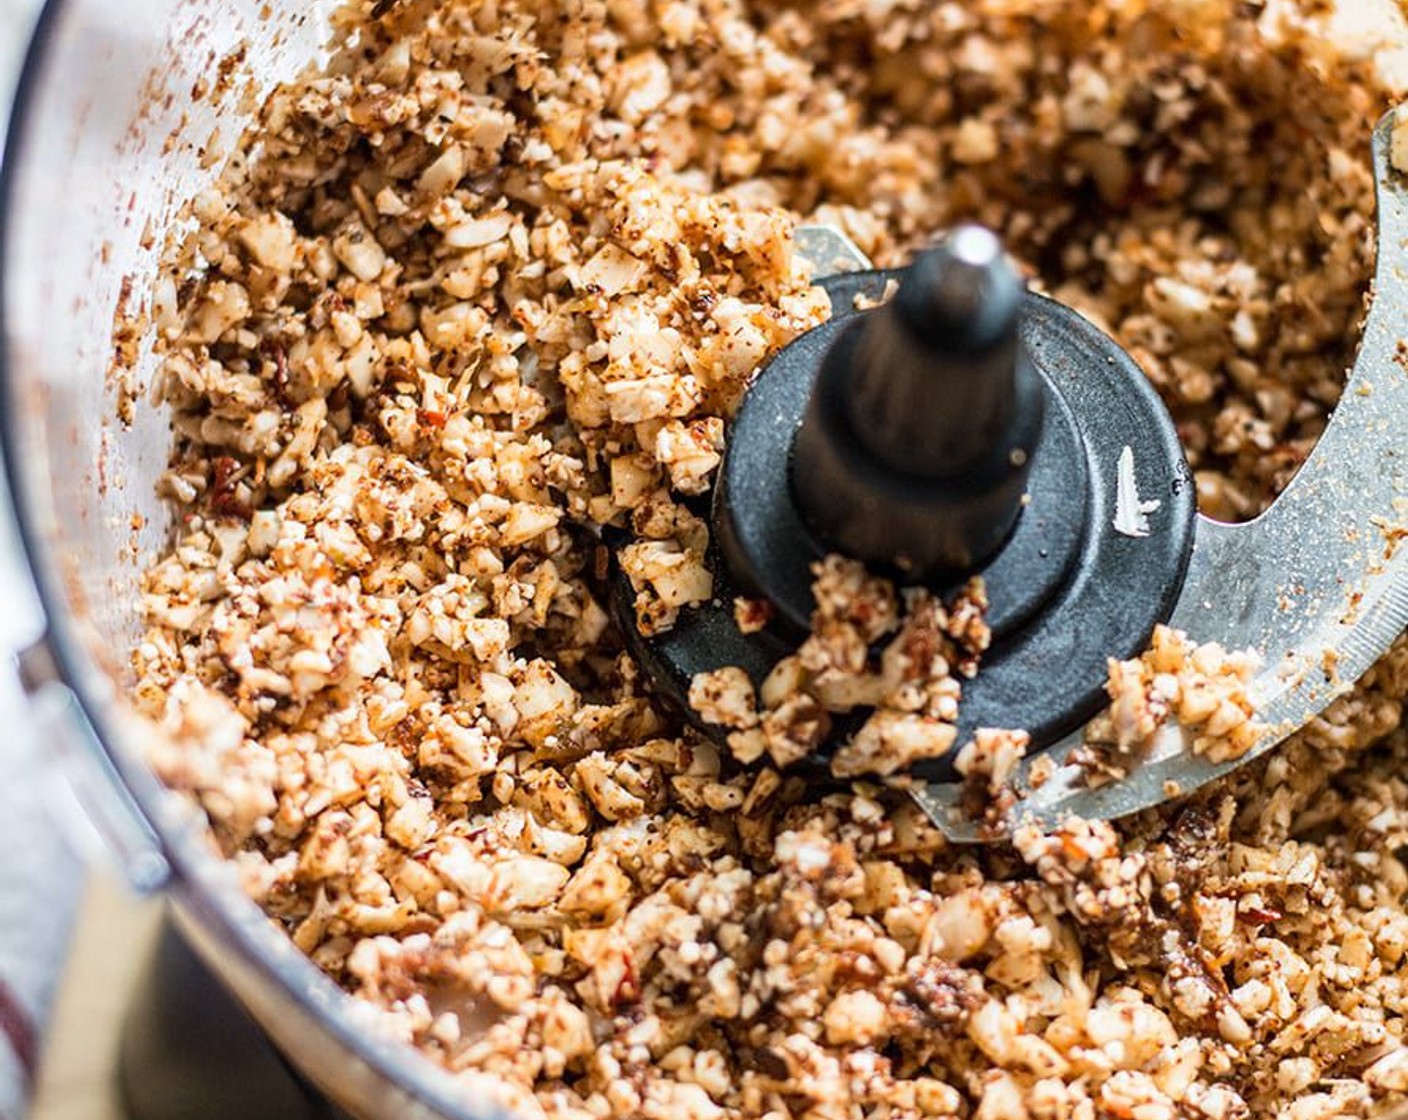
[
  {"x": 911, "y": 695},
  {"x": 497, "y": 278}
]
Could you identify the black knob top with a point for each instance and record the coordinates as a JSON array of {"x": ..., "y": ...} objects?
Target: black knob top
[
  {"x": 933, "y": 383},
  {"x": 916, "y": 447}
]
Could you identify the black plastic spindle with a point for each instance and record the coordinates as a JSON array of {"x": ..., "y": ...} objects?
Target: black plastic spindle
[{"x": 917, "y": 442}]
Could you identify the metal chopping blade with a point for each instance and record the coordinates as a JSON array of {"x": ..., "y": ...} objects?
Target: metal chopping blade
[{"x": 1317, "y": 585}]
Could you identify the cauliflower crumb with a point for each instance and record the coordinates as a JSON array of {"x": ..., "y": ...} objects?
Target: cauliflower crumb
[
  {"x": 1201, "y": 689},
  {"x": 494, "y": 281}
]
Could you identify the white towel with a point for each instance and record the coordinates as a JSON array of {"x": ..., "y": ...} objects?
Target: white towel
[
  {"x": 40, "y": 878},
  {"x": 40, "y": 881}
]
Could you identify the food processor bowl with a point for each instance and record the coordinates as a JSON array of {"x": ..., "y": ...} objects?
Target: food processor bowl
[{"x": 125, "y": 111}]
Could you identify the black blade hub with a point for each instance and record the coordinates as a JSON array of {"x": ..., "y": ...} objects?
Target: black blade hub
[{"x": 964, "y": 427}]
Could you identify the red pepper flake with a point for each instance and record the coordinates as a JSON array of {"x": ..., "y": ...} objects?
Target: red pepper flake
[
  {"x": 428, "y": 418},
  {"x": 628, "y": 990},
  {"x": 274, "y": 352},
  {"x": 1262, "y": 916},
  {"x": 225, "y": 474}
]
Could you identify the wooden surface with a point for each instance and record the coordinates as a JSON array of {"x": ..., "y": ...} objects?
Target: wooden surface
[{"x": 115, "y": 933}]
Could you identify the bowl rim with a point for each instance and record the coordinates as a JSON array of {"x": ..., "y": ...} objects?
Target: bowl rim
[{"x": 199, "y": 880}]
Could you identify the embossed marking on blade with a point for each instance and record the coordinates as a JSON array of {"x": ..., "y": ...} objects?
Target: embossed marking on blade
[{"x": 1318, "y": 584}]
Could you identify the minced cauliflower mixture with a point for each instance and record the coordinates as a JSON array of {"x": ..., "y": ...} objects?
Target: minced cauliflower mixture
[{"x": 496, "y": 279}]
